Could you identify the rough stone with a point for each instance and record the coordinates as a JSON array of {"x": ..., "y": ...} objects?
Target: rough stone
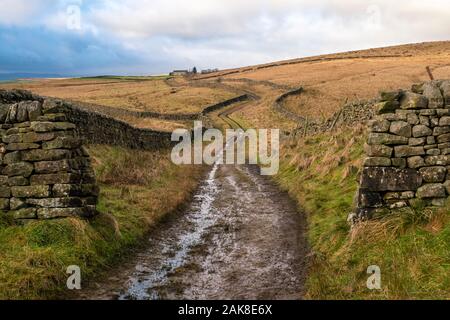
[
  {"x": 444, "y": 121},
  {"x": 377, "y": 162},
  {"x": 433, "y": 174},
  {"x": 4, "y": 204},
  {"x": 437, "y": 131},
  {"x": 54, "y": 213},
  {"x": 18, "y": 181},
  {"x": 437, "y": 160},
  {"x": 387, "y": 107},
  {"x": 401, "y": 128},
  {"x": 51, "y": 179},
  {"x": 433, "y": 152},
  {"x": 414, "y": 142},
  {"x": 62, "y": 143},
  {"x": 52, "y": 166},
  {"x": 31, "y": 192},
  {"x": 443, "y": 138},
  {"x": 5, "y": 192},
  {"x": 399, "y": 163},
  {"x": 33, "y": 137},
  {"x": 70, "y": 202},
  {"x": 386, "y": 139},
  {"x": 45, "y": 155},
  {"x": 391, "y": 95},
  {"x": 26, "y": 213},
  {"x": 432, "y": 190},
  {"x": 412, "y": 100},
  {"x": 434, "y": 95},
  {"x": 407, "y": 151},
  {"x": 18, "y": 169},
  {"x": 390, "y": 179},
  {"x": 21, "y": 146},
  {"x": 379, "y": 125},
  {"x": 12, "y": 157},
  {"x": 447, "y": 186},
  {"x": 445, "y": 87},
  {"x": 421, "y": 131},
  {"x": 34, "y": 110},
  {"x": 370, "y": 199},
  {"x": 68, "y": 190},
  {"x": 17, "y": 204},
  {"x": 412, "y": 119},
  {"x": 378, "y": 150},
  {"x": 416, "y": 162}
]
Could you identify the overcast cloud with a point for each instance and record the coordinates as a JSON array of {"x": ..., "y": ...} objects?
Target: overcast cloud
[{"x": 154, "y": 36}]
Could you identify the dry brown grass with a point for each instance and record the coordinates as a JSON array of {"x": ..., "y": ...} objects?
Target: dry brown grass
[
  {"x": 329, "y": 84},
  {"x": 142, "y": 95}
]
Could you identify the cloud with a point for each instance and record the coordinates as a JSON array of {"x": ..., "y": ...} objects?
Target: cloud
[{"x": 157, "y": 35}]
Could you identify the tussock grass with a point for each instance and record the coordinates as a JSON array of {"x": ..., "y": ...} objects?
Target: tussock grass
[
  {"x": 410, "y": 246},
  {"x": 138, "y": 188}
]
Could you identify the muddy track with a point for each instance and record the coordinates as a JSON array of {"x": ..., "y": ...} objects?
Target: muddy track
[{"x": 241, "y": 238}]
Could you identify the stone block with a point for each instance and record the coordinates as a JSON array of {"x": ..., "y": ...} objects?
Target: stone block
[
  {"x": 434, "y": 95},
  {"x": 416, "y": 162},
  {"x": 399, "y": 163},
  {"x": 26, "y": 213},
  {"x": 444, "y": 121},
  {"x": 384, "y": 179},
  {"x": 52, "y": 166},
  {"x": 57, "y": 178},
  {"x": 412, "y": 100},
  {"x": 5, "y": 192},
  {"x": 443, "y": 138},
  {"x": 386, "y": 139},
  {"x": 386, "y": 107},
  {"x": 377, "y": 162},
  {"x": 67, "y": 190},
  {"x": 70, "y": 202},
  {"x": 433, "y": 174},
  {"x": 21, "y": 146},
  {"x": 54, "y": 213},
  {"x": 18, "y": 181},
  {"x": 414, "y": 142},
  {"x": 62, "y": 143},
  {"x": 45, "y": 155},
  {"x": 407, "y": 151},
  {"x": 432, "y": 190},
  {"x": 31, "y": 192},
  {"x": 33, "y": 137},
  {"x": 18, "y": 169},
  {"x": 421, "y": 131},
  {"x": 401, "y": 128}
]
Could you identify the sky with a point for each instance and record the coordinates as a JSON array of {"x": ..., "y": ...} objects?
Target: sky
[{"x": 99, "y": 37}]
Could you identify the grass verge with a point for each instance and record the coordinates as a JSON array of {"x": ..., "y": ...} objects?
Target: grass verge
[
  {"x": 411, "y": 246},
  {"x": 138, "y": 188}
]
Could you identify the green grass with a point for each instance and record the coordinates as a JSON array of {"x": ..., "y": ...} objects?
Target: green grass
[
  {"x": 137, "y": 190},
  {"x": 411, "y": 246}
]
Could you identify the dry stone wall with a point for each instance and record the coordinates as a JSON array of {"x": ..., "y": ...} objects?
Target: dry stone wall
[
  {"x": 45, "y": 172},
  {"x": 408, "y": 150}
]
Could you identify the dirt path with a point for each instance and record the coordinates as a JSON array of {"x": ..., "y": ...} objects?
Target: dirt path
[{"x": 241, "y": 238}]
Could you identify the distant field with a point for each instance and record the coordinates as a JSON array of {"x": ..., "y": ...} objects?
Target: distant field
[
  {"x": 133, "y": 93},
  {"x": 332, "y": 79}
]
